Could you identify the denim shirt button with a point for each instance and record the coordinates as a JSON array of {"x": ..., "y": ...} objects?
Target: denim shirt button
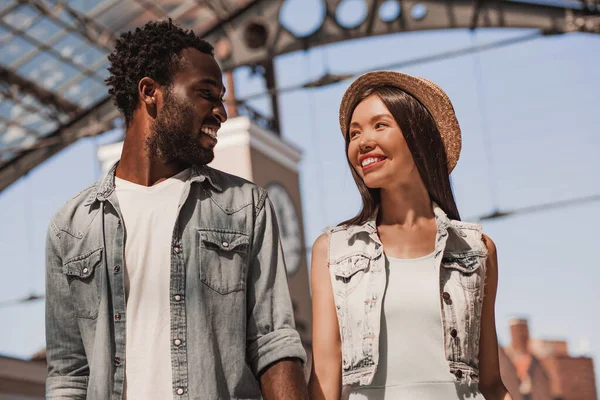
[
  {"x": 225, "y": 244},
  {"x": 178, "y": 297},
  {"x": 177, "y": 342},
  {"x": 85, "y": 270},
  {"x": 117, "y": 317},
  {"x": 117, "y": 361},
  {"x": 179, "y": 391},
  {"x": 117, "y": 268}
]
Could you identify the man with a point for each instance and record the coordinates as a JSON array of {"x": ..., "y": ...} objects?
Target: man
[{"x": 166, "y": 279}]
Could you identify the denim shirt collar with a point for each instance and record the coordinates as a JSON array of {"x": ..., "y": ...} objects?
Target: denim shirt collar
[{"x": 105, "y": 187}]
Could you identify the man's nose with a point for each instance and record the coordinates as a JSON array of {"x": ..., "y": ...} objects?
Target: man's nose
[{"x": 219, "y": 113}]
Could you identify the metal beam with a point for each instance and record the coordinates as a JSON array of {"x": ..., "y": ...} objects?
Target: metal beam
[
  {"x": 154, "y": 7},
  {"x": 94, "y": 14},
  {"x": 7, "y": 93},
  {"x": 8, "y": 122},
  {"x": 50, "y": 50},
  {"x": 92, "y": 123},
  {"x": 86, "y": 27},
  {"x": 440, "y": 14},
  {"x": 44, "y": 96},
  {"x": 8, "y": 8}
]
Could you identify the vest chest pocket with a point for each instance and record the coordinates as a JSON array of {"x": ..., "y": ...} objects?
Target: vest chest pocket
[
  {"x": 465, "y": 271},
  {"x": 85, "y": 283},
  {"x": 348, "y": 273},
  {"x": 223, "y": 259}
]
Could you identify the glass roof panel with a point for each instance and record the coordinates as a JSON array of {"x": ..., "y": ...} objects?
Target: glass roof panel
[
  {"x": 32, "y": 123},
  {"x": 86, "y": 91},
  {"x": 47, "y": 71},
  {"x": 44, "y": 29},
  {"x": 5, "y": 36},
  {"x": 14, "y": 136},
  {"x": 6, "y": 106},
  {"x": 30, "y": 103},
  {"x": 47, "y": 128},
  {"x": 66, "y": 17},
  {"x": 21, "y": 18},
  {"x": 77, "y": 49},
  {"x": 103, "y": 71},
  {"x": 84, "y": 6},
  {"x": 13, "y": 47},
  {"x": 123, "y": 15}
]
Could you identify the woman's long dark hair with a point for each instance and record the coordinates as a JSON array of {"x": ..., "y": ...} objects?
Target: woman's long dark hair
[{"x": 425, "y": 144}]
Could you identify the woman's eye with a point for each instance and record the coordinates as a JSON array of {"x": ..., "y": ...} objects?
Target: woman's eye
[
  {"x": 379, "y": 125},
  {"x": 353, "y": 133}
]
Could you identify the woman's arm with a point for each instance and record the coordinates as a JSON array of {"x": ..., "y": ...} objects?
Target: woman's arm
[
  {"x": 326, "y": 375},
  {"x": 490, "y": 382}
]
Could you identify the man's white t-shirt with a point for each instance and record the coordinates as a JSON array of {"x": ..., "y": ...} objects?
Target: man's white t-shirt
[{"x": 149, "y": 215}]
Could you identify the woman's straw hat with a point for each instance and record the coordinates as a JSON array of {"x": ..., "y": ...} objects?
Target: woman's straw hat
[{"x": 428, "y": 93}]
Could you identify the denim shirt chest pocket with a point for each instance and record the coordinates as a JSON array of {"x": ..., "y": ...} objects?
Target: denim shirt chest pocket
[
  {"x": 349, "y": 273},
  {"x": 85, "y": 282},
  {"x": 464, "y": 270},
  {"x": 223, "y": 259}
]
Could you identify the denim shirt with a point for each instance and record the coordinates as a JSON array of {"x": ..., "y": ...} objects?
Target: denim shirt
[
  {"x": 229, "y": 296},
  {"x": 358, "y": 277}
]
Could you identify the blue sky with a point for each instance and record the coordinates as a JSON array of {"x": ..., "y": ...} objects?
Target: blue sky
[{"x": 536, "y": 105}]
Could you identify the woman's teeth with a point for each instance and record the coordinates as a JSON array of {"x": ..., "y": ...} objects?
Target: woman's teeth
[{"x": 371, "y": 160}]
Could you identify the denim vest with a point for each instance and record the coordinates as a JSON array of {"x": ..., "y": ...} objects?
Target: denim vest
[{"x": 358, "y": 277}]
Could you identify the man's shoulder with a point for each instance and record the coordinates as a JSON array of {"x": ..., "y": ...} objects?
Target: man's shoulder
[
  {"x": 238, "y": 187},
  {"x": 77, "y": 206}
]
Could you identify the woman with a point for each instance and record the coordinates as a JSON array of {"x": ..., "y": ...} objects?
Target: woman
[{"x": 403, "y": 293}]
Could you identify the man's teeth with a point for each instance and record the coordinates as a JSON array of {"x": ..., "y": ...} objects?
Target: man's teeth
[
  {"x": 371, "y": 160},
  {"x": 212, "y": 132}
]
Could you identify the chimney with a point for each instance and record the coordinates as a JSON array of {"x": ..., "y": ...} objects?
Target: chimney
[{"x": 519, "y": 332}]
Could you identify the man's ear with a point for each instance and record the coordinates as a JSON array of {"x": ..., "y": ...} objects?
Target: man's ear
[{"x": 147, "y": 90}]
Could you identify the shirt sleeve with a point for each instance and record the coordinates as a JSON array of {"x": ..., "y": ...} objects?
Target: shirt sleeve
[
  {"x": 68, "y": 370},
  {"x": 271, "y": 332}
]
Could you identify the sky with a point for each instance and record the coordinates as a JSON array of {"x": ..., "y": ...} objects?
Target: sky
[{"x": 530, "y": 121}]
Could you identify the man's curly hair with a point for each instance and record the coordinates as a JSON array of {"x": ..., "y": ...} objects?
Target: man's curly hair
[{"x": 152, "y": 50}]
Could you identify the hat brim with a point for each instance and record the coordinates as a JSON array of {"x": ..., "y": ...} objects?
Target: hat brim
[{"x": 425, "y": 91}]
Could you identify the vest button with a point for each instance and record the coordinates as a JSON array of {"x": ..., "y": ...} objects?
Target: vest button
[
  {"x": 446, "y": 296},
  {"x": 453, "y": 333},
  {"x": 458, "y": 374}
]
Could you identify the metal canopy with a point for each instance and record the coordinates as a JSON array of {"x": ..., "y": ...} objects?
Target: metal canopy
[{"x": 54, "y": 63}]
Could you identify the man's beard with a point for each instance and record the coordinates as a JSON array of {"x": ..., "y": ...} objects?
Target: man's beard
[{"x": 172, "y": 139}]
